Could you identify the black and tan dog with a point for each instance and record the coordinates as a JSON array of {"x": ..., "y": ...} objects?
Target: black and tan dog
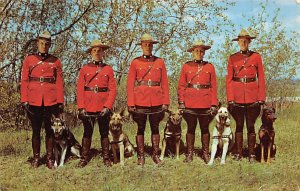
[
  {"x": 65, "y": 142},
  {"x": 172, "y": 134},
  {"x": 118, "y": 140},
  {"x": 267, "y": 135}
]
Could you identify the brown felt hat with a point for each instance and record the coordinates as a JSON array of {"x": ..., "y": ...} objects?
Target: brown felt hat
[
  {"x": 198, "y": 43},
  {"x": 243, "y": 34},
  {"x": 97, "y": 43},
  {"x": 147, "y": 38}
]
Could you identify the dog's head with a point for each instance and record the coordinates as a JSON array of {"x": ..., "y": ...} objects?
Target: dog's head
[
  {"x": 222, "y": 116},
  {"x": 268, "y": 115},
  {"x": 175, "y": 117},
  {"x": 116, "y": 121},
  {"x": 58, "y": 126}
]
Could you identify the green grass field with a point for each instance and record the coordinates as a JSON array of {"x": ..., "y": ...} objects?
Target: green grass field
[{"x": 282, "y": 174}]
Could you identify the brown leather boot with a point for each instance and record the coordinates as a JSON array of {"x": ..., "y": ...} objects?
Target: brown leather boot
[
  {"x": 205, "y": 147},
  {"x": 155, "y": 148},
  {"x": 140, "y": 148},
  {"x": 36, "y": 147},
  {"x": 105, "y": 151},
  {"x": 190, "y": 141},
  {"x": 251, "y": 145},
  {"x": 239, "y": 146},
  {"x": 49, "y": 151},
  {"x": 86, "y": 145}
]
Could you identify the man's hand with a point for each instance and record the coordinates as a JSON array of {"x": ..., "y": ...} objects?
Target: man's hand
[
  {"x": 25, "y": 105},
  {"x": 105, "y": 111},
  {"x": 213, "y": 110},
  {"x": 131, "y": 109},
  {"x": 231, "y": 106},
  {"x": 81, "y": 113},
  {"x": 164, "y": 107}
]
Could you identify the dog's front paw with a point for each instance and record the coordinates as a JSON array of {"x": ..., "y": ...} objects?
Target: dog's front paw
[
  {"x": 122, "y": 163},
  {"x": 161, "y": 157},
  {"x": 222, "y": 162},
  {"x": 210, "y": 163},
  {"x": 60, "y": 166},
  {"x": 55, "y": 164}
]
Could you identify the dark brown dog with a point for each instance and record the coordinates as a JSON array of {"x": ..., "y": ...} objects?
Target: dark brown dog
[
  {"x": 267, "y": 134},
  {"x": 172, "y": 133},
  {"x": 118, "y": 140}
]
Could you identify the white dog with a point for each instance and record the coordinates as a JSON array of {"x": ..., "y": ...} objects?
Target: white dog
[{"x": 222, "y": 135}]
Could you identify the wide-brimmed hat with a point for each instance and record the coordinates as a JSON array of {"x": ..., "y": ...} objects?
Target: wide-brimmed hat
[
  {"x": 97, "y": 43},
  {"x": 244, "y": 34},
  {"x": 147, "y": 38},
  {"x": 45, "y": 35},
  {"x": 198, "y": 43}
]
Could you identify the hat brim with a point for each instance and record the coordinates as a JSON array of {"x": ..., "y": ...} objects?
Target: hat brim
[
  {"x": 44, "y": 38},
  {"x": 104, "y": 47},
  {"x": 248, "y": 37},
  {"x": 202, "y": 46},
  {"x": 149, "y": 41}
]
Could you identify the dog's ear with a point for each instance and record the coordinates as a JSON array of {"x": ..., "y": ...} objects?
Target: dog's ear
[
  {"x": 52, "y": 117},
  {"x": 220, "y": 104},
  {"x": 122, "y": 112}
]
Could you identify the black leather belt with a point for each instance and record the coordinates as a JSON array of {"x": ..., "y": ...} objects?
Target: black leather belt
[
  {"x": 244, "y": 80},
  {"x": 96, "y": 89},
  {"x": 198, "y": 86},
  {"x": 147, "y": 83},
  {"x": 43, "y": 79}
]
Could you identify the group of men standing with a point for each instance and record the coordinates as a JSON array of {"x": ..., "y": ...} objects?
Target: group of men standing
[{"x": 42, "y": 95}]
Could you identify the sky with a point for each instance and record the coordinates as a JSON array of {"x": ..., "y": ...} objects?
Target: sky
[{"x": 289, "y": 15}]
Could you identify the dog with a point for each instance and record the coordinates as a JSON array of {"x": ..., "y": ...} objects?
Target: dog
[
  {"x": 64, "y": 140},
  {"x": 172, "y": 134},
  {"x": 118, "y": 139},
  {"x": 267, "y": 134},
  {"x": 222, "y": 135}
]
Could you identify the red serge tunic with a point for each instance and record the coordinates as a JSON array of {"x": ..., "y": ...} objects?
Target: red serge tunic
[
  {"x": 242, "y": 66},
  {"x": 146, "y": 95},
  {"x": 94, "y": 101},
  {"x": 201, "y": 97},
  {"x": 39, "y": 91}
]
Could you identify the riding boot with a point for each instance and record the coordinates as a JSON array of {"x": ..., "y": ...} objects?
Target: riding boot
[
  {"x": 155, "y": 148},
  {"x": 140, "y": 149},
  {"x": 190, "y": 141},
  {"x": 49, "y": 151},
  {"x": 86, "y": 145},
  {"x": 36, "y": 146},
  {"x": 205, "y": 147},
  {"x": 251, "y": 145},
  {"x": 239, "y": 146},
  {"x": 105, "y": 151}
]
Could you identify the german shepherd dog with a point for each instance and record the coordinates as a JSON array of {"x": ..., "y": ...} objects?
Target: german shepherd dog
[
  {"x": 118, "y": 140},
  {"x": 172, "y": 134},
  {"x": 222, "y": 135},
  {"x": 267, "y": 135},
  {"x": 65, "y": 142}
]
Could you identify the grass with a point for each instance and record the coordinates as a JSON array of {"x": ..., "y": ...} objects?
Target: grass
[{"x": 282, "y": 174}]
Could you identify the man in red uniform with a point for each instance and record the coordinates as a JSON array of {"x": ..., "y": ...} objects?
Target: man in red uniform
[
  {"x": 246, "y": 91},
  {"x": 96, "y": 92},
  {"x": 197, "y": 97},
  {"x": 42, "y": 94},
  {"x": 147, "y": 95}
]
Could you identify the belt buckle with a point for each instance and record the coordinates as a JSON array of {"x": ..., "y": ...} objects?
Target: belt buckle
[
  {"x": 197, "y": 86},
  {"x": 149, "y": 83},
  {"x": 244, "y": 79},
  {"x": 96, "y": 89},
  {"x": 42, "y": 79}
]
